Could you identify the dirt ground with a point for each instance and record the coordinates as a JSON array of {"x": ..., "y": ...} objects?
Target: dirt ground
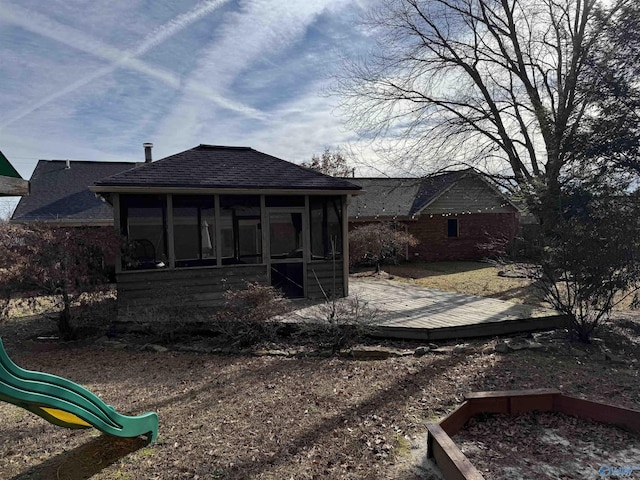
[{"x": 276, "y": 417}]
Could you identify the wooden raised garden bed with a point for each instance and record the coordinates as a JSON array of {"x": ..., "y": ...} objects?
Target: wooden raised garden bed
[{"x": 456, "y": 466}]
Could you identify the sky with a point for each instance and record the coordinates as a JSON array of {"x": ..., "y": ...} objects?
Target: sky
[{"x": 87, "y": 80}]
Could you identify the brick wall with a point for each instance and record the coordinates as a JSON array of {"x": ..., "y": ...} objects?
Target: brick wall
[{"x": 479, "y": 235}]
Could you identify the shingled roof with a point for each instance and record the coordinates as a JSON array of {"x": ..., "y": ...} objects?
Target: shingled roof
[
  {"x": 399, "y": 197},
  {"x": 219, "y": 167},
  {"x": 463, "y": 191},
  {"x": 60, "y": 193}
]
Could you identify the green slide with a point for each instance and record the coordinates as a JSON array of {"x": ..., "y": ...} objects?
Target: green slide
[{"x": 67, "y": 404}]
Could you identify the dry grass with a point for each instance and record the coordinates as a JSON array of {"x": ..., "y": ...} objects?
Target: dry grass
[
  {"x": 511, "y": 282},
  {"x": 503, "y": 282}
]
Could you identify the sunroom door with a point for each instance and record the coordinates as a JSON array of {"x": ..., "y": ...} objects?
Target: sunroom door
[{"x": 287, "y": 250}]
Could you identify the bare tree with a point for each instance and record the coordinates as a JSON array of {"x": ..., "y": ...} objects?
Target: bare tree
[
  {"x": 331, "y": 163},
  {"x": 543, "y": 96},
  {"x": 513, "y": 88}
]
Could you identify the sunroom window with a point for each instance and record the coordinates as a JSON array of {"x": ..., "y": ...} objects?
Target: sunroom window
[
  {"x": 143, "y": 222},
  {"x": 326, "y": 227},
  {"x": 240, "y": 229},
  {"x": 194, "y": 230}
]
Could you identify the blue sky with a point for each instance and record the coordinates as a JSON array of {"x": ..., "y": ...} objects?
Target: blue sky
[{"x": 87, "y": 80}]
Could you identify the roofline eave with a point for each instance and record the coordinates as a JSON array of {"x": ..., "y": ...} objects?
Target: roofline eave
[
  {"x": 66, "y": 222},
  {"x": 215, "y": 190},
  {"x": 385, "y": 218}
]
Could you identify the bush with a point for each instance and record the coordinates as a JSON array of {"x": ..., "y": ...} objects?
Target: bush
[
  {"x": 591, "y": 260},
  {"x": 377, "y": 243},
  {"x": 63, "y": 263},
  {"x": 340, "y": 323},
  {"x": 247, "y": 315}
]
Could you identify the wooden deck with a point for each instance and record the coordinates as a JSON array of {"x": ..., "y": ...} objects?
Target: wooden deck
[{"x": 413, "y": 312}]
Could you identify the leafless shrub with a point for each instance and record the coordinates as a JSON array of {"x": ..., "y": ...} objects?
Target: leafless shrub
[
  {"x": 341, "y": 323},
  {"x": 247, "y": 316},
  {"x": 377, "y": 243}
]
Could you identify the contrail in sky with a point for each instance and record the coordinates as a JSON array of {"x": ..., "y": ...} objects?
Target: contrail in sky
[{"x": 41, "y": 25}]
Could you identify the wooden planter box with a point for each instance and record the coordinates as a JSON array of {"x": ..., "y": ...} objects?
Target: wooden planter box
[{"x": 453, "y": 463}]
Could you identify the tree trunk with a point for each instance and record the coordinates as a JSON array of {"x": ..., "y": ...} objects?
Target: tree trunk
[{"x": 65, "y": 330}]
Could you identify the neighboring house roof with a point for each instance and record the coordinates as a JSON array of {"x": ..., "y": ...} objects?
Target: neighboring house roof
[
  {"x": 386, "y": 197},
  {"x": 60, "y": 193},
  {"x": 462, "y": 191},
  {"x": 11, "y": 183},
  {"x": 219, "y": 167}
]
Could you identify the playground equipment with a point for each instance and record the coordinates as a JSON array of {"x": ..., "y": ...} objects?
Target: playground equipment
[{"x": 67, "y": 404}]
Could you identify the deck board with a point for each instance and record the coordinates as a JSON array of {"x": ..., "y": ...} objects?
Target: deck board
[{"x": 414, "y": 312}]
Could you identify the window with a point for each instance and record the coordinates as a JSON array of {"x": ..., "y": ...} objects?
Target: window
[
  {"x": 326, "y": 227},
  {"x": 285, "y": 235},
  {"x": 452, "y": 228},
  {"x": 143, "y": 222},
  {"x": 194, "y": 230},
  {"x": 240, "y": 229}
]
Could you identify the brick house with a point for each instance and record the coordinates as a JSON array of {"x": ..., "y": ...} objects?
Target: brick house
[{"x": 454, "y": 216}]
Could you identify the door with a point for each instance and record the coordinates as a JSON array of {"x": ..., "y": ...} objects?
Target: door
[{"x": 287, "y": 250}]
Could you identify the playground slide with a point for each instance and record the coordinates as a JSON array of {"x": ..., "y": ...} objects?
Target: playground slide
[{"x": 67, "y": 404}]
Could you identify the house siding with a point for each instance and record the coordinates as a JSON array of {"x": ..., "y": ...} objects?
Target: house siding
[
  {"x": 191, "y": 287},
  {"x": 324, "y": 271},
  {"x": 469, "y": 195}
]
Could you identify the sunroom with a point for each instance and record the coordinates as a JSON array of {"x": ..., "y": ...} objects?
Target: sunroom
[{"x": 212, "y": 218}]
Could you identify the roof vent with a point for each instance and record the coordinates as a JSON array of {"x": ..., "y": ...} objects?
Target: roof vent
[{"x": 147, "y": 152}]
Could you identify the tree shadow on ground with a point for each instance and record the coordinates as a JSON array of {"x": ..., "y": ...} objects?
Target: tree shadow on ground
[
  {"x": 249, "y": 466},
  {"x": 417, "y": 270},
  {"x": 529, "y": 295},
  {"x": 85, "y": 461}
]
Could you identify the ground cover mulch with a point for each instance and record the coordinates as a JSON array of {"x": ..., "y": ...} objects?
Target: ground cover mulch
[
  {"x": 244, "y": 416},
  {"x": 548, "y": 446},
  {"x": 238, "y": 415}
]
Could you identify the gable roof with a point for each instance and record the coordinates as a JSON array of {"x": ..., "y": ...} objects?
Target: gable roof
[
  {"x": 399, "y": 197},
  {"x": 402, "y": 198},
  {"x": 219, "y": 167},
  {"x": 432, "y": 187},
  {"x": 61, "y": 194},
  {"x": 384, "y": 197}
]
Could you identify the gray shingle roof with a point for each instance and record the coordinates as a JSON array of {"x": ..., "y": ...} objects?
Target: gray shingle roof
[
  {"x": 398, "y": 197},
  {"x": 384, "y": 197},
  {"x": 209, "y": 166},
  {"x": 61, "y": 194}
]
